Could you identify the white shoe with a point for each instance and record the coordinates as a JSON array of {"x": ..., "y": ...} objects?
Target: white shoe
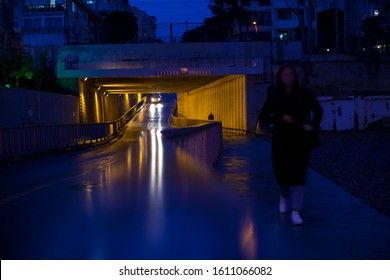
[
  {"x": 283, "y": 205},
  {"x": 296, "y": 218}
]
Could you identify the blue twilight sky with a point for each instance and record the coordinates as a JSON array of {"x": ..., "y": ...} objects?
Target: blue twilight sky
[{"x": 174, "y": 11}]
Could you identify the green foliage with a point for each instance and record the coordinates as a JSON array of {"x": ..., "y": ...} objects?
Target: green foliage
[
  {"x": 14, "y": 69},
  {"x": 18, "y": 71},
  {"x": 22, "y": 65}
]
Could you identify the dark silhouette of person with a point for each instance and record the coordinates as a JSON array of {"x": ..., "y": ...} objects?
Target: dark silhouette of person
[
  {"x": 289, "y": 107},
  {"x": 211, "y": 117}
]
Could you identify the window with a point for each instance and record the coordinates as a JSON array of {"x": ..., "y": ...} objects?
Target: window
[
  {"x": 33, "y": 22},
  {"x": 53, "y": 21},
  {"x": 28, "y": 22},
  {"x": 255, "y": 3},
  {"x": 264, "y": 2},
  {"x": 264, "y": 35},
  {"x": 74, "y": 7},
  {"x": 262, "y": 18},
  {"x": 284, "y": 14},
  {"x": 283, "y": 35},
  {"x": 42, "y": 3},
  {"x": 48, "y": 22}
]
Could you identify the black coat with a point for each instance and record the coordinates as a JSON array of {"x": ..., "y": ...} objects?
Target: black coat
[{"x": 290, "y": 149}]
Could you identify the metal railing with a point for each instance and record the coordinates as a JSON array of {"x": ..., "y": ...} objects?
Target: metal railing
[{"x": 27, "y": 140}]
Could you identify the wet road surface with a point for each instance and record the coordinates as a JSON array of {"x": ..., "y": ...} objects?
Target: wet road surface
[
  {"x": 138, "y": 198},
  {"x": 141, "y": 198}
]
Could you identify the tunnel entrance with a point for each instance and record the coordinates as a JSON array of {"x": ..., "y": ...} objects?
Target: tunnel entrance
[{"x": 106, "y": 98}]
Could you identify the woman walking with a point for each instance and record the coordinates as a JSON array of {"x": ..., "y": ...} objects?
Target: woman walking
[{"x": 296, "y": 115}]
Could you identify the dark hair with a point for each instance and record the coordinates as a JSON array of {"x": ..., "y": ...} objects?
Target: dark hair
[{"x": 279, "y": 83}]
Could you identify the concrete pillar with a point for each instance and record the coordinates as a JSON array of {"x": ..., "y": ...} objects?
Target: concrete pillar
[{"x": 256, "y": 93}]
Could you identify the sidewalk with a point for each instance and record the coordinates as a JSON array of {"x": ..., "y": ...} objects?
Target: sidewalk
[{"x": 337, "y": 225}]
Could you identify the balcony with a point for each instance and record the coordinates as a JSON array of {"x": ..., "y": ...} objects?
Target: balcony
[
  {"x": 287, "y": 24},
  {"x": 256, "y": 5}
]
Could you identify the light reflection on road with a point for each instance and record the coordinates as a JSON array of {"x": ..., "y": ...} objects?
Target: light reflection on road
[
  {"x": 138, "y": 198},
  {"x": 143, "y": 198}
]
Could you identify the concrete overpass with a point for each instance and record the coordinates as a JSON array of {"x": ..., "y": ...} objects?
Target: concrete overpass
[{"x": 227, "y": 79}]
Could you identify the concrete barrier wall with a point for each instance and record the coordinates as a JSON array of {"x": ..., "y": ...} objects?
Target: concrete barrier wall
[
  {"x": 361, "y": 75},
  {"x": 353, "y": 112},
  {"x": 20, "y": 107},
  {"x": 286, "y": 50},
  {"x": 225, "y": 98},
  {"x": 200, "y": 141}
]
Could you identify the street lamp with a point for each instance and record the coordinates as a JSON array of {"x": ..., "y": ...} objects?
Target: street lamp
[{"x": 255, "y": 24}]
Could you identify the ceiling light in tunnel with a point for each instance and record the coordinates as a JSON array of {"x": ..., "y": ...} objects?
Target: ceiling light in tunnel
[
  {"x": 126, "y": 91},
  {"x": 120, "y": 85},
  {"x": 85, "y": 79}
]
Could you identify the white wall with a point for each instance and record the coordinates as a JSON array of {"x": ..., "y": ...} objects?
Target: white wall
[{"x": 353, "y": 112}]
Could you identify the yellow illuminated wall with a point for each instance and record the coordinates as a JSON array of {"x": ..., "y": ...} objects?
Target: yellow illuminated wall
[
  {"x": 95, "y": 108},
  {"x": 98, "y": 111},
  {"x": 225, "y": 98},
  {"x": 83, "y": 110}
]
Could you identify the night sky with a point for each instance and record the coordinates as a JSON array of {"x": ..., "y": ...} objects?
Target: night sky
[{"x": 174, "y": 11}]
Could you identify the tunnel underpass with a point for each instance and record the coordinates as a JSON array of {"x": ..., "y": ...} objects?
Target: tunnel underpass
[{"x": 106, "y": 98}]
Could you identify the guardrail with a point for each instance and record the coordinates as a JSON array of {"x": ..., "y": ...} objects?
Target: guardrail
[
  {"x": 201, "y": 139},
  {"x": 28, "y": 140}
]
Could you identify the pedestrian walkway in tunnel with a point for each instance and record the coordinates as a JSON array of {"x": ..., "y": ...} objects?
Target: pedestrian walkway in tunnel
[{"x": 142, "y": 198}]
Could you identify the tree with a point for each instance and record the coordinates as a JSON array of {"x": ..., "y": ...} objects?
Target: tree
[
  {"x": 120, "y": 27},
  {"x": 22, "y": 65},
  {"x": 218, "y": 6},
  {"x": 198, "y": 34},
  {"x": 222, "y": 25},
  {"x": 15, "y": 70},
  {"x": 305, "y": 9},
  {"x": 5, "y": 64},
  {"x": 44, "y": 75}
]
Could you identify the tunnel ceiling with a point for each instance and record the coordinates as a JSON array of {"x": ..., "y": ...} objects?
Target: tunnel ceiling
[{"x": 153, "y": 84}]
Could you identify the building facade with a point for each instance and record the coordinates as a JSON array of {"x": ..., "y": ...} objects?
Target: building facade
[
  {"x": 6, "y": 24},
  {"x": 56, "y": 22},
  {"x": 338, "y": 25},
  {"x": 104, "y": 7},
  {"x": 60, "y": 22},
  {"x": 271, "y": 19},
  {"x": 146, "y": 23},
  {"x": 352, "y": 25}
]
